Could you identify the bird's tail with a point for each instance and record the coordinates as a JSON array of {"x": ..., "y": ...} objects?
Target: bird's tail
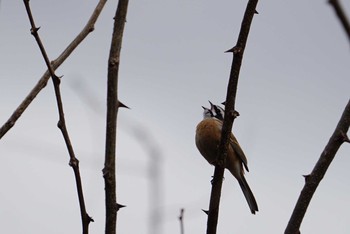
[{"x": 248, "y": 195}]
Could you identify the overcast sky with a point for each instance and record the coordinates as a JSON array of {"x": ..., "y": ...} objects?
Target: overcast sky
[{"x": 293, "y": 87}]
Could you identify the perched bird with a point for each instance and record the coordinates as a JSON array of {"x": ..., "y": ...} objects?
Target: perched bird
[{"x": 208, "y": 135}]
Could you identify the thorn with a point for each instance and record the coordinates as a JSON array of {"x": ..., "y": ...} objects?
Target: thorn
[
  {"x": 306, "y": 177},
  {"x": 223, "y": 103},
  {"x": 74, "y": 162},
  {"x": 206, "y": 211},
  {"x": 256, "y": 12},
  {"x": 347, "y": 139},
  {"x": 90, "y": 219},
  {"x": 119, "y": 206},
  {"x": 344, "y": 137},
  {"x": 106, "y": 173},
  {"x": 59, "y": 124},
  {"x": 212, "y": 180},
  {"x": 235, "y": 114},
  {"x": 34, "y": 30},
  {"x": 120, "y": 104},
  {"x": 57, "y": 78},
  {"x": 234, "y": 50}
]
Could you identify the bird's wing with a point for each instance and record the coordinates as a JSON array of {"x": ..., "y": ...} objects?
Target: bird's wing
[
  {"x": 238, "y": 150},
  {"x": 235, "y": 146}
]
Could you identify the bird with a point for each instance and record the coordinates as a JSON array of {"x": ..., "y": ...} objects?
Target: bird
[{"x": 207, "y": 138}]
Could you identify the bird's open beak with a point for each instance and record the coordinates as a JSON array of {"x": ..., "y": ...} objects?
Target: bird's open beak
[{"x": 211, "y": 105}]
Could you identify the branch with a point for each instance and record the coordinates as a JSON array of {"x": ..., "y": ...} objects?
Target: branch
[
  {"x": 311, "y": 181},
  {"x": 74, "y": 162},
  {"x": 111, "y": 123},
  {"x": 89, "y": 27},
  {"x": 341, "y": 15},
  {"x": 230, "y": 114}
]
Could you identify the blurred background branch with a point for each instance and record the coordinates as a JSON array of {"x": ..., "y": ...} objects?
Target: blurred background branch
[
  {"x": 181, "y": 219},
  {"x": 152, "y": 150}
]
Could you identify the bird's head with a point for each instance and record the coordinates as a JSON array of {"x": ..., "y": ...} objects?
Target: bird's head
[{"x": 215, "y": 111}]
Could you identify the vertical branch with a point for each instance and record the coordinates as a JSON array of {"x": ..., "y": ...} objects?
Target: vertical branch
[
  {"x": 311, "y": 181},
  {"x": 74, "y": 162},
  {"x": 230, "y": 115},
  {"x": 109, "y": 171},
  {"x": 89, "y": 27}
]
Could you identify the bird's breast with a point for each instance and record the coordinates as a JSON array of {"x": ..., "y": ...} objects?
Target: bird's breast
[{"x": 208, "y": 134}]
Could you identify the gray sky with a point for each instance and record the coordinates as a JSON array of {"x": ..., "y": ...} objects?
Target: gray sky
[{"x": 293, "y": 87}]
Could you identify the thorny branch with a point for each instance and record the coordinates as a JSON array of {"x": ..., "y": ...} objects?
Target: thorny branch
[
  {"x": 89, "y": 27},
  {"x": 109, "y": 171},
  {"x": 74, "y": 162},
  {"x": 311, "y": 181},
  {"x": 338, "y": 137},
  {"x": 230, "y": 114}
]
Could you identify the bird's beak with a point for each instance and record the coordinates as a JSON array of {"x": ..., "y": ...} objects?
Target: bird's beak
[{"x": 211, "y": 105}]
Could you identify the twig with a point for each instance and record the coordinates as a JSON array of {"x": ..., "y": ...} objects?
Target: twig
[
  {"x": 311, "y": 181},
  {"x": 181, "y": 219},
  {"x": 74, "y": 162},
  {"x": 111, "y": 122},
  {"x": 230, "y": 114},
  {"x": 341, "y": 15},
  {"x": 89, "y": 27}
]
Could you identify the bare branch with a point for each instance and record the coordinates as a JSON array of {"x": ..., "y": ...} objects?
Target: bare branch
[
  {"x": 111, "y": 123},
  {"x": 74, "y": 162},
  {"x": 89, "y": 27},
  {"x": 320, "y": 169},
  {"x": 339, "y": 137},
  {"x": 341, "y": 15},
  {"x": 238, "y": 51}
]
